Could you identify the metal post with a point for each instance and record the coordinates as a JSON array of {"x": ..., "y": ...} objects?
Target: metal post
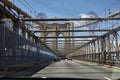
[
  {"x": 94, "y": 50},
  {"x": 103, "y": 48},
  {"x": 109, "y": 49},
  {"x": 87, "y": 51},
  {"x": 116, "y": 48},
  {"x": 3, "y": 58},
  {"x": 98, "y": 43}
]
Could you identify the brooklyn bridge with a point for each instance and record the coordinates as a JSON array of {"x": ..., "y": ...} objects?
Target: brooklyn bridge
[{"x": 57, "y": 47}]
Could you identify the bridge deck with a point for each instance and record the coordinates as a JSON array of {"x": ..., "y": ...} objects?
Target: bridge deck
[{"x": 77, "y": 69}]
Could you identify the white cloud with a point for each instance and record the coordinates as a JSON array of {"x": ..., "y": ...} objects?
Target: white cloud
[
  {"x": 80, "y": 23},
  {"x": 84, "y": 15}
]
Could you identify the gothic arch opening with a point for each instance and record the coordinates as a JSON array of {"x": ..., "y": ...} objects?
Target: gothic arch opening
[
  {"x": 61, "y": 42},
  {"x": 49, "y": 41}
]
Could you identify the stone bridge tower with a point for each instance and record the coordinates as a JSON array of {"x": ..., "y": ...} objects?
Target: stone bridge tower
[{"x": 58, "y": 28}]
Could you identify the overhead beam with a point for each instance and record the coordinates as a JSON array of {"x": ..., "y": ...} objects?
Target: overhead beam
[
  {"x": 66, "y": 43},
  {"x": 72, "y": 30},
  {"x": 114, "y": 14},
  {"x": 66, "y": 40},
  {"x": 72, "y": 37},
  {"x": 67, "y": 19}
]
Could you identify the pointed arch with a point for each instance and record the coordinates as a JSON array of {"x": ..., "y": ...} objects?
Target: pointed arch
[
  {"x": 60, "y": 45},
  {"x": 49, "y": 41}
]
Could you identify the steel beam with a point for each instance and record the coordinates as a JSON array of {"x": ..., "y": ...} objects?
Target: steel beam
[
  {"x": 67, "y": 40},
  {"x": 66, "y": 43},
  {"x": 109, "y": 48},
  {"x": 72, "y": 37},
  {"x": 7, "y": 13},
  {"x": 68, "y": 19},
  {"x": 73, "y": 30},
  {"x": 103, "y": 49},
  {"x": 12, "y": 6}
]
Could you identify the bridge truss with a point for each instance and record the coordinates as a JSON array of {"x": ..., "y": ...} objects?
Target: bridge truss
[{"x": 103, "y": 46}]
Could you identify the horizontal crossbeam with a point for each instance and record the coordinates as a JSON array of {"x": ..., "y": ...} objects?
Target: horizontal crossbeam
[
  {"x": 65, "y": 40},
  {"x": 73, "y": 37},
  {"x": 66, "y": 43},
  {"x": 67, "y": 19},
  {"x": 72, "y": 30}
]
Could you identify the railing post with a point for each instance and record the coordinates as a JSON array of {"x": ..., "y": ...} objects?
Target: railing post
[
  {"x": 103, "y": 49},
  {"x": 116, "y": 48},
  {"x": 109, "y": 49}
]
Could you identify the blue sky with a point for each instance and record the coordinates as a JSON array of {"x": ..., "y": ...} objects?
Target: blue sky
[{"x": 66, "y": 8}]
